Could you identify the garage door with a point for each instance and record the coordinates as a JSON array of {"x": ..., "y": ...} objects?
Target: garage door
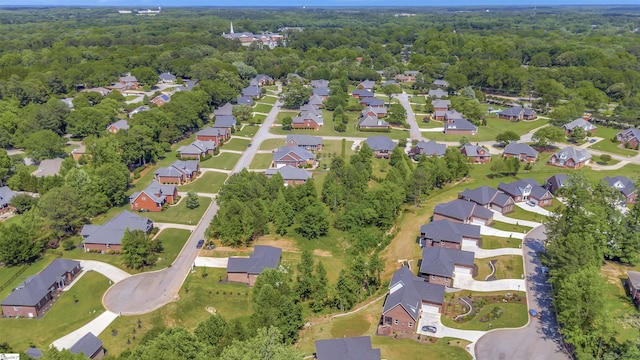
[
  {"x": 462, "y": 270},
  {"x": 478, "y": 221},
  {"x": 430, "y": 308},
  {"x": 470, "y": 243}
]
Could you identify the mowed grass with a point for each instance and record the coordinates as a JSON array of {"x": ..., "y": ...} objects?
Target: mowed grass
[
  {"x": 494, "y": 127},
  {"x": 494, "y": 242},
  {"x": 64, "y": 316},
  {"x": 268, "y": 100},
  {"x": 272, "y": 144},
  {"x": 514, "y": 315},
  {"x": 261, "y": 161},
  {"x": 521, "y": 214},
  {"x": 247, "y": 130},
  {"x": 209, "y": 182},
  {"x": 180, "y": 214},
  {"x": 223, "y": 161},
  {"x": 622, "y": 313},
  {"x": 507, "y": 267},
  {"x": 7, "y": 272},
  {"x": 608, "y": 133},
  {"x": 510, "y": 227},
  {"x": 262, "y": 108},
  {"x": 236, "y": 144}
]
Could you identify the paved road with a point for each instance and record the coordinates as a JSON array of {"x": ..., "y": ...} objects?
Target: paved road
[
  {"x": 262, "y": 134},
  {"x": 414, "y": 129},
  {"x": 540, "y": 339}
]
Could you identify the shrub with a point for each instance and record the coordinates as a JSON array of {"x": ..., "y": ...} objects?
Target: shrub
[
  {"x": 605, "y": 158},
  {"x": 68, "y": 245}
]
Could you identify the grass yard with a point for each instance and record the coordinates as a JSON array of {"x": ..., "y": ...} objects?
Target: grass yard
[
  {"x": 64, "y": 316},
  {"x": 609, "y": 133},
  {"x": 262, "y": 108},
  {"x": 179, "y": 214},
  {"x": 507, "y": 267},
  {"x": 223, "y": 161},
  {"x": 494, "y": 242},
  {"x": 258, "y": 118},
  {"x": 418, "y": 99},
  {"x": 514, "y": 315},
  {"x": 247, "y": 131},
  {"x": 261, "y": 161},
  {"x": 271, "y": 100},
  {"x": 7, "y": 272},
  {"x": 429, "y": 125},
  {"x": 236, "y": 144},
  {"x": 494, "y": 127},
  {"x": 272, "y": 144},
  {"x": 380, "y": 167},
  {"x": 173, "y": 241},
  {"x": 208, "y": 182},
  {"x": 623, "y": 314},
  {"x": 521, "y": 214},
  {"x": 130, "y": 97},
  {"x": 334, "y": 147},
  {"x": 510, "y": 227}
]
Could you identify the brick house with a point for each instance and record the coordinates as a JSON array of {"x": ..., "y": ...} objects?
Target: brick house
[
  {"x": 459, "y": 127},
  {"x": 378, "y": 111},
  {"x": 362, "y": 94},
  {"x": 570, "y": 157},
  {"x": 161, "y": 99},
  {"x": 226, "y": 109},
  {"x": 127, "y": 82},
  {"x": 217, "y": 135},
  {"x": 291, "y": 175},
  {"x": 524, "y": 152},
  {"x": 441, "y": 83},
  {"x": 109, "y": 236},
  {"x": 32, "y": 298},
  {"x": 629, "y": 136},
  {"x": 449, "y": 234},
  {"x": 626, "y": 187},
  {"x": 262, "y": 80},
  {"x": 293, "y": 156},
  {"x": 117, "y": 126},
  {"x": 322, "y": 92},
  {"x": 252, "y": 91},
  {"x": 367, "y": 85},
  {"x": 527, "y": 190},
  {"x": 90, "y": 346},
  {"x": 352, "y": 348},
  {"x": 153, "y": 197},
  {"x": 517, "y": 113},
  {"x": 319, "y": 83},
  {"x": 441, "y": 105},
  {"x": 428, "y": 148},
  {"x": 382, "y": 146},
  {"x": 316, "y": 101},
  {"x": 633, "y": 284},
  {"x": 588, "y": 127},
  {"x": 440, "y": 265},
  {"x": 476, "y": 154},
  {"x": 305, "y": 122},
  {"x": 372, "y": 102},
  {"x": 167, "y": 78},
  {"x": 180, "y": 172},
  {"x": 556, "y": 182},
  {"x": 437, "y": 93},
  {"x": 197, "y": 149},
  {"x": 372, "y": 123},
  {"x": 463, "y": 211},
  {"x": 246, "y": 270},
  {"x": 409, "y": 296},
  {"x": 489, "y": 198},
  {"x": 307, "y": 142},
  {"x": 227, "y": 122}
]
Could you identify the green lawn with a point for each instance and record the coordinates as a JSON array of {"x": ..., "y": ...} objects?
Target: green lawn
[
  {"x": 429, "y": 125},
  {"x": 494, "y": 127},
  {"x": 334, "y": 147},
  {"x": 272, "y": 144},
  {"x": 64, "y": 317},
  {"x": 236, "y": 144},
  {"x": 258, "y": 118},
  {"x": 510, "y": 227},
  {"x": 494, "y": 242},
  {"x": 179, "y": 214},
  {"x": 130, "y": 97},
  {"x": 208, "y": 182},
  {"x": 418, "y": 99},
  {"x": 223, "y": 161},
  {"x": 514, "y": 315},
  {"x": 262, "y": 108},
  {"x": 247, "y": 130},
  {"x": 173, "y": 241},
  {"x": 380, "y": 167},
  {"x": 624, "y": 316},
  {"x": 7, "y": 272},
  {"x": 268, "y": 100},
  {"x": 261, "y": 161},
  {"x": 607, "y": 145},
  {"x": 507, "y": 267},
  {"x": 519, "y": 213}
]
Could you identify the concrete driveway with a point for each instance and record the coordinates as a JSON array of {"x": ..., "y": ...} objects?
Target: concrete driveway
[
  {"x": 433, "y": 319},
  {"x": 202, "y": 261},
  {"x": 111, "y": 272},
  {"x": 540, "y": 339},
  {"x": 487, "y": 253},
  {"x": 487, "y": 230},
  {"x": 463, "y": 281},
  {"x": 96, "y": 326},
  {"x": 509, "y": 220}
]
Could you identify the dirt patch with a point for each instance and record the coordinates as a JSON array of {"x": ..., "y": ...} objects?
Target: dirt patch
[
  {"x": 211, "y": 310},
  {"x": 613, "y": 272},
  {"x": 323, "y": 253},
  {"x": 285, "y": 244}
]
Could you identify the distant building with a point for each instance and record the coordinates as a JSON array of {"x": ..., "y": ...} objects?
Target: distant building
[{"x": 270, "y": 40}]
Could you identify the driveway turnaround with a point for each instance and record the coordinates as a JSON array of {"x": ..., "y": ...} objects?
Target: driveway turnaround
[
  {"x": 509, "y": 220},
  {"x": 463, "y": 281},
  {"x": 111, "y": 272},
  {"x": 487, "y": 230},
  {"x": 212, "y": 262},
  {"x": 433, "y": 319},
  {"x": 487, "y": 253},
  {"x": 540, "y": 339},
  {"x": 96, "y": 326}
]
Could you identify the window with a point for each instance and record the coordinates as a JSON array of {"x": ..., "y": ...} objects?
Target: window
[
  {"x": 387, "y": 320},
  {"x": 144, "y": 198},
  {"x": 395, "y": 321},
  {"x": 410, "y": 324}
]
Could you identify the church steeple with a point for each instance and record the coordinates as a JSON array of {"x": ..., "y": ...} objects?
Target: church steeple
[{"x": 231, "y": 28}]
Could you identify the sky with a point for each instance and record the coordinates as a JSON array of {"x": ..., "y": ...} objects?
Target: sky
[{"x": 317, "y": 3}]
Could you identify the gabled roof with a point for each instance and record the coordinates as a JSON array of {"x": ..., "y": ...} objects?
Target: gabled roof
[
  {"x": 482, "y": 195},
  {"x": 372, "y": 121},
  {"x": 460, "y": 124},
  {"x": 580, "y": 122},
  {"x": 321, "y": 91},
  {"x": 634, "y": 278},
  {"x": 622, "y": 183},
  {"x": 355, "y": 348},
  {"x": 320, "y": 83},
  {"x": 517, "y": 149},
  {"x": 304, "y": 140},
  {"x": 264, "y": 77},
  {"x": 376, "y": 110},
  {"x": 452, "y": 114},
  {"x": 440, "y": 82},
  {"x": 409, "y": 291},
  {"x": 197, "y": 147},
  {"x": 363, "y": 93},
  {"x": 167, "y": 77},
  {"x": 263, "y": 257},
  {"x": 473, "y": 150},
  {"x": 6, "y": 195},
  {"x": 577, "y": 155},
  {"x": 156, "y": 191},
  {"x": 128, "y": 78},
  {"x": 380, "y": 143},
  {"x": 87, "y": 345},
  {"x": 48, "y": 167},
  {"x": 315, "y": 100},
  {"x": 631, "y": 133},
  {"x": 367, "y": 84},
  {"x": 30, "y": 292},
  {"x": 291, "y": 173},
  {"x": 212, "y": 131},
  {"x": 445, "y": 230},
  {"x": 372, "y": 101},
  {"x": 120, "y": 125},
  {"x": 438, "y": 93},
  {"x": 309, "y": 110},
  {"x": 518, "y": 188},
  {"x": 390, "y": 82},
  {"x": 462, "y": 210},
  {"x": 244, "y": 100},
  {"x": 251, "y": 90},
  {"x": 225, "y": 121},
  {"x": 556, "y": 182},
  {"x": 439, "y": 103},
  {"x": 113, "y": 230},
  {"x": 34, "y": 353},
  {"x": 295, "y": 151},
  {"x": 226, "y": 109},
  {"x": 441, "y": 261},
  {"x": 411, "y": 72},
  {"x": 430, "y": 147},
  {"x": 513, "y": 111}
]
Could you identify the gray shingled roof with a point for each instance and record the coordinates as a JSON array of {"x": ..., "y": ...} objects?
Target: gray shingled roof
[
  {"x": 556, "y": 182},
  {"x": 212, "y": 131},
  {"x": 120, "y": 125},
  {"x": 197, "y": 147},
  {"x": 319, "y": 83},
  {"x": 622, "y": 183},
  {"x": 516, "y": 149},
  {"x": 315, "y": 100},
  {"x": 290, "y": 173},
  {"x": 473, "y": 150},
  {"x": 445, "y": 230},
  {"x": 372, "y": 101},
  {"x": 128, "y": 78},
  {"x": 305, "y": 140},
  {"x": 634, "y": 278},
  {"x": 482, "y": 195},
  {"x": 167, "y": 77},
  {"x": 225, "y": 121},
  {"x": 87, "y": 345},
  {"x": 260, "y": 77},
  {"x": 441, "y": 261},
  {"x": 48, "y": 167},
  {"x": 438, "y": 93},
  {"x": 263, "y": 257},
  {"x": 363, "y": 93},
  {"x": 113, "y": 230},
  {"x": 462, "y": 210},
  {"x": 321, "y": 91},
  {"x": 373, "y": 121},
  {"x": 409, "y": 291},
  {"x": 244, "y": 100},
  {"x": 631, "y": 133},
  {"x": 439, "y": 103},
  {"x": 376, "y": 110},
  {"x": 380, "y": 143},
  {"x": 300, "y": 153},
  {"x": 355, "y": 348},
  {"x": 578, "y": 155},
  {"x": 30, "y": 292},
  {"x": 251, "y": 90},
  {"x": 34, "y": 353},
  {"x": 460, "y": 124},
  {"x": 367, "y": 84},
  {"x": 226, "y": 109},
  {"x": 580, "y": 122},
  {"x": 153, "y": 189},
  {"x": 453, "y": 115},
  {"x": 430, "y": 147},
  {"x": 440, "y": 82},
  {"x": 6, "y": 195},
  {"x": 513, "y": 111}
]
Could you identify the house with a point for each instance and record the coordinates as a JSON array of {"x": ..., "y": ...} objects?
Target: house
[
  {"x": 459, "y": 127},
  {"x": 33, "y": 297},
  {"x": 316, "y": 101},
  {"x": 373, "y": 102},
  {"x": 476, "y": 154},
  {"x": 246, "y": 270},
  {"x": 323, "y": 92},
  {"x": 90, "y": 346},
  {"x": 167, "y": 78},
  {"x": 588, "y": 127},
  {"x": 373, "y": 111},
  {"x": 109, "y": 236},
  {"x": 441, "y": 83},
  {"x": 128, "y": 82},
  {"x": 524, "y": 152},
  {"x": 409, "y": 296},
  {"x": 226, "y": 109},
  {"x": 634, "y": 286},
  {"x": 291, "y": 175},
  {"x": 452, "y": 115},
  {"x": 405, "y": 78},
  {"x": 100, "y": 90},
  {"x": 437, "y": 93},
  {"x": 293, "y": 156},
  {"x": 362, "y": 94},
  {"x": 161, "y": 99},
  {"x": 252, "y": 91},
  {"x": 307, "y": 142},
  {"x": 117, "y": 126},
  {"x": 244, "y": 100},
  {"x": 629, "y": 136},
  {"x": 527, "y": 190},
  {"x": 489, "y": 198},
  {"x": 352, "y": 348},
  {"x": 440, "y": 265},
  {"x": 153, "y": 197},
  {"x": 449, "y": 234},
  {"x": 306, "y": 121},
  {"x": 570, "y": 157},
  {"x": 33, "y": 353},
  {"x": 517, "y": 113},
  {"x": 179, "y": 173},
  {"x": 68, "y": 102},
  {"x": 390, "y": 82},
  {"x": 215, "y": 134},
  {"x": 48, "y": 167},
  {"x": 556, "y": 182},
  {"x": 382, "y": 146},
  {"x": 626, "y": 187},
  {"x": 372, "y": 123},
  {"x": 79, "y": 152},
  {"x": 197, "y": 149},
  {"x": 463, "y": 211},
  {"x": 262, "y": 80},
  {"x": 441, "y": 105},
  {"x": 227, "y": 122},
  {"x": 320, "y": 83},
  {"x": 139, "y": 109},
  {"x": 429, "y": 148},
  {"x": 367, "y": 85},
  {"x": 6, "y": 195}
]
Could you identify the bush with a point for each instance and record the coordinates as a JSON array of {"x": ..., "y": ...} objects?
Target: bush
[
  {"x": 605, "y": 158},
  {"x": 68, "y": 245}
]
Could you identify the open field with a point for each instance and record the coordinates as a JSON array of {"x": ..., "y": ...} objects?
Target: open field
[{"x": 208, "y": 182}]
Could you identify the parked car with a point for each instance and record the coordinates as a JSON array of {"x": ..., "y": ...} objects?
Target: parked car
[
  {"x": 429, "y": 328},
  {"x": 200, "y": 243},
  {"x": 531, "y": 203},
  {"x": 534, "y": 313},
  {"x": 592, "y": 141},
  {"x": 249, "y": 145}
]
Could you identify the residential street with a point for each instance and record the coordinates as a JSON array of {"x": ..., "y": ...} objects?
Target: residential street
[
  {"x": 411, "y": 117},
  {"x": 262, "y": 134}
]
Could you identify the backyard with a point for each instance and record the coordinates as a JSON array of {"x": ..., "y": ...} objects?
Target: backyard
[
  {"x": 208, "y": 182},
  {"x": 223, "y": 161}
]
